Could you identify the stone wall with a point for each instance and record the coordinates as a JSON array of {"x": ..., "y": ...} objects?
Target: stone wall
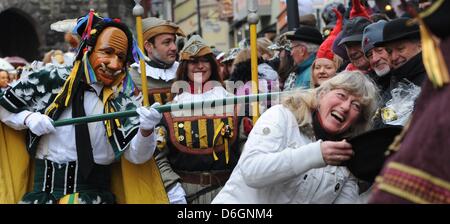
[{"x": 42, "y": 13}]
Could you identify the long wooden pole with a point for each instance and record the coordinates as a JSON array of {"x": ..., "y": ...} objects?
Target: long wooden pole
[
  {"x": 138, "y": 11},
  {"x": 253, "y": 19},
  {"x": 174, "y": 107}
]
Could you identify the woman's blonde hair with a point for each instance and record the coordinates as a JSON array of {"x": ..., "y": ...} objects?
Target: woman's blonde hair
[
  {"x": 337, "y": 62},
  {"x": 303, "y": 102}
]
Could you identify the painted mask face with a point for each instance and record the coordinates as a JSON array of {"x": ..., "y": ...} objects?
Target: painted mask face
[
  {"x": 109, "y": 55},
  {"x": 338, "y": 110},
  {"x": 4, "y": 79}
]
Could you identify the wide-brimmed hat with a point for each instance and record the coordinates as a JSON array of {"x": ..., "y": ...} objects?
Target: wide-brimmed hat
[
  {"x": 370, "y": 152},
  {"x": 195, "y": 47},
  {"x": 153, "y": 26},
  {"x": 307, "y": 34},
  {"x": 437, "y": 18},
  {"x": 373, "y": 33},
  {"x": 354, "y": 29},
  {"x": 399, "y": 29}
]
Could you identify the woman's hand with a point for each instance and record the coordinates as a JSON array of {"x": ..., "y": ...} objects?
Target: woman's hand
[{"x": 334, "y": 153}]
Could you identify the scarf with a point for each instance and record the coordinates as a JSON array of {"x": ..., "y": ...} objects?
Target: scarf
[{"x": 320, "y": 132}]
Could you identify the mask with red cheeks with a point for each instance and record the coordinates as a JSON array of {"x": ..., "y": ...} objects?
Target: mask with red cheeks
[{"x": 109, "y": 55}]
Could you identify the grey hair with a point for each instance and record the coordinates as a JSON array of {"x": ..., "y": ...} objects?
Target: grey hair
[
  {"x": 310, "y": 47},
  {"x": 304, "y": 102}
]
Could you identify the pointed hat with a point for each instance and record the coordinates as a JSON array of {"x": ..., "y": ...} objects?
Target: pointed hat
[
  {"x": 358, "y": 10},
  {"x": 325, "y": 49}
]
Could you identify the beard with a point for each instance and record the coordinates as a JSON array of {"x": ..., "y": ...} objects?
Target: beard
[
  {"x": 158, "y": 57},
  {"x": 383, "y": 71}
]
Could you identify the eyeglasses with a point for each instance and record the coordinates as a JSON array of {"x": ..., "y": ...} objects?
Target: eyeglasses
[{"x": 301, "y": 45}]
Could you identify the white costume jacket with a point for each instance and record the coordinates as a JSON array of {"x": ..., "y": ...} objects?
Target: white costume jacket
[{"x": 280, "y": 164}]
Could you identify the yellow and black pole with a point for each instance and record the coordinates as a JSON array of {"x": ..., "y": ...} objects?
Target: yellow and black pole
[
  {"x": 138, "y": 11},
  {"x": 252, "y": 20},
  {"x": 139, "y": 183}
]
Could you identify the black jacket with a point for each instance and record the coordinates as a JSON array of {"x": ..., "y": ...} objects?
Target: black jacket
[{"x": 412, "y": 71}]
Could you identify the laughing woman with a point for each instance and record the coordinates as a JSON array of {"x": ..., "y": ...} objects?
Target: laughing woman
[{"x": 294, "y": 151}]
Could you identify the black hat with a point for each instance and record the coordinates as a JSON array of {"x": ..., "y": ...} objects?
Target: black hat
[
  {"x": 399, "y": 29},
  {"x": 269, "y": 29},
  {"x": 307, "y": 34},
  {"x": 354, "y": 29},
  {"x": 369, "y": 149},
  {"x": 437, "y": 18}
]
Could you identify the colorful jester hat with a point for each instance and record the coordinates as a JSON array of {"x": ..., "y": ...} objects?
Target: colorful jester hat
[
  {"x": 325, "y": 49},
  {"x": 358, "y": 10}
]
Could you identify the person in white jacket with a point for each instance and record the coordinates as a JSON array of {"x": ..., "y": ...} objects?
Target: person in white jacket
[{"x": 294, "y": 151}]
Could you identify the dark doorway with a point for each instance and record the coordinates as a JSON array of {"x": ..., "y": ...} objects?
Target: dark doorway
[{"x": 19, "y": 37}]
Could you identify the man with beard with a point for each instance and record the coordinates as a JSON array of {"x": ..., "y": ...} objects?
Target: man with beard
[
  {"x": 402, "y": 40},
  {"x": 418, "y": 171},
  {"x": 159, "y": 43},
  {"x": 379, "y": 60},
  {"x": 73, "y": 162},
  {"x": 160, "y": 46}
]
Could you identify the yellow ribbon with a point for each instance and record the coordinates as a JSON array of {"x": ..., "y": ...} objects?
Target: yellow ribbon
[
  {"x": 69, "y": 199},
  {"x": 217, "y": 132}
]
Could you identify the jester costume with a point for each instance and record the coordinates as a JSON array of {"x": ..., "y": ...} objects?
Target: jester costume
[{"x": 54, "y": 91}]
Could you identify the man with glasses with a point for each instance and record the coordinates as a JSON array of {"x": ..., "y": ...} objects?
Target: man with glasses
[
  {"x": 352, "y": 35},
  {"x": 304, "y": 45}
]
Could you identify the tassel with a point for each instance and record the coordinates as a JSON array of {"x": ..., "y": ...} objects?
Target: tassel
[
  {"x": 227, "y": 153},
  {"x": 137, "y": 53},
  {"x": 432, "y": 57},
  {"x": 87, "y": 30},
  {"x": 217, "y": 132},
  {"x": 88, "y": 71}
]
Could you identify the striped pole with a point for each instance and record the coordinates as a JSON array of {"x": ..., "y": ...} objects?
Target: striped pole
[{"x": 173, "y": 107}]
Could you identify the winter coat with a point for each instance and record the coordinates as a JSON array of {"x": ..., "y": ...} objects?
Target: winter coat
[{"x": 281, "y": 165}]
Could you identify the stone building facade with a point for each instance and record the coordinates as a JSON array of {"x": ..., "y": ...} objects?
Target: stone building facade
[{"x": 25, "y": 24}]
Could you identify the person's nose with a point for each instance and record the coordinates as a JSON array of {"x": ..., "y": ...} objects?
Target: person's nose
[
  {"x": 346, "y": 105},
  {"x": 322, "y": 70},
  {"x": 172, "y": 46},
  {"x": 375, "y": 58},
  {"x": 394, "y": 55},
  {"x": 115, "y": 63},
  {"x": 201, "y": 65}
]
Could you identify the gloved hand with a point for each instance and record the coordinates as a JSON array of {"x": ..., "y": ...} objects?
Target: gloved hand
[
  {"x": 148, "y": 118},
  {"x": 39, "y": 124}
]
